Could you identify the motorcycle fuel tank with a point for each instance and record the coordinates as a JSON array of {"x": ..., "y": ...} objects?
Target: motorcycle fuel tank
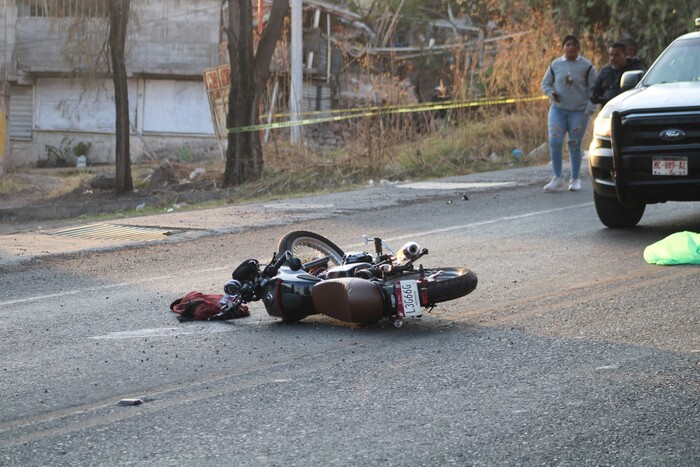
[{"x": 288, "y": 295}]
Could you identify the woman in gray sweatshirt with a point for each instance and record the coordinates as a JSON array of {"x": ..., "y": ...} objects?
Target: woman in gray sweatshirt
[{"x": 569, "y": 83}]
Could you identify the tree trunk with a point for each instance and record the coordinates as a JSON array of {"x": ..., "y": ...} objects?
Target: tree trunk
[
  {"x": 249, "y": 72},
  {"x": 118, "y": 19}
]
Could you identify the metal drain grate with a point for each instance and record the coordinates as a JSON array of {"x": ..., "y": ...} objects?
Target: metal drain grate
[{"x": 117, "y": 232}]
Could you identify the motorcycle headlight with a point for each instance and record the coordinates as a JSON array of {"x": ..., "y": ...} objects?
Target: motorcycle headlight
[
  {"x": 601, "y": 126},
  {"x": 232, "y": 287}
]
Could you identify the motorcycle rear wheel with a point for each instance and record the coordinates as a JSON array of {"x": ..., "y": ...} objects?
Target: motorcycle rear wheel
[
  {"x": 309, "y": 245},
  {"x": 451, "y": 284}
]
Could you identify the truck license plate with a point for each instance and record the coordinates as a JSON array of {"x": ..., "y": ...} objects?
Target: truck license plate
[
  {"x": 669, "y": 166},
  {"x": 407, "y": 299}
]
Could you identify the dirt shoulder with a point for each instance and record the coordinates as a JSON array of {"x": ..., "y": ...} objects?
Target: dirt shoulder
[
  {"x": 38, "y": 188},
  {"x": 54, "y": 195}
]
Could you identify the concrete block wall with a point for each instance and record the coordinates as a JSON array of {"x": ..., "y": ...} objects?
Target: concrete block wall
[{"x": 166, "y": 37}]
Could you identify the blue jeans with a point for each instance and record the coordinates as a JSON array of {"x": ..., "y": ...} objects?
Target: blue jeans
[{"x": 561, "y": 122}]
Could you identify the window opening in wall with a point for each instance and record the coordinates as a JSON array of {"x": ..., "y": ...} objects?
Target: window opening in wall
[{"x": 21, "y": 112}]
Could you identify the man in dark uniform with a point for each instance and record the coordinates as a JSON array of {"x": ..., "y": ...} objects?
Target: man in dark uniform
[{"x": 607, "y": 85}]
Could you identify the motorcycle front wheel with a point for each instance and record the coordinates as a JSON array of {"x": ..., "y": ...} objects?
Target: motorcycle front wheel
[
  {"x": 308, "y": 246},
  {"x": 449, "y": 284}
]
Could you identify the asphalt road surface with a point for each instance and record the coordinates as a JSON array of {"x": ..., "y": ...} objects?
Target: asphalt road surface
[{"x": 571, "y": 351}]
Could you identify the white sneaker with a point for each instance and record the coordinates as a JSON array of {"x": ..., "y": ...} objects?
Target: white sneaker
[
  {"x": 554, "y": 185},
  {"x": 575, "y": 184}
]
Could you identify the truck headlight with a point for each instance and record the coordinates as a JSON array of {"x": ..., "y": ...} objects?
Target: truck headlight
[{"x": 601, "y": 126}]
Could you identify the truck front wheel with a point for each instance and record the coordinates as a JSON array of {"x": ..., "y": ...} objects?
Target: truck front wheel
[{"x": 615, "y": 215}]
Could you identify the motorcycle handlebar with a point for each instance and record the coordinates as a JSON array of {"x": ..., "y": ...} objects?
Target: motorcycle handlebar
[
  {"x": 273, "y": 268},
  {"x": 316, "y": 262}
]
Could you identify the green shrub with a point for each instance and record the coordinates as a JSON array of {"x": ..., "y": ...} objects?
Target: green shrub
[
  {"x": 184, "y": 154},
  {"x": 57, "y": 156},
  {"x": 82, "y": 148}
]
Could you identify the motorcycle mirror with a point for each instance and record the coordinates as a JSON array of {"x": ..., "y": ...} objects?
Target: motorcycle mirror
[
  {"x": 294, "y": 264},
  {"x": 366, "y": 239}
]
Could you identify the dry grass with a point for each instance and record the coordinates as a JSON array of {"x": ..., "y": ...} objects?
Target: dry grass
[
  {"x": 11, "y": 184},
  {"x": 484, "y": 140}
]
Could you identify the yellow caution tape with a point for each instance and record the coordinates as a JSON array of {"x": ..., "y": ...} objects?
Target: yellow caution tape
[{"x": 386, "y": 110}]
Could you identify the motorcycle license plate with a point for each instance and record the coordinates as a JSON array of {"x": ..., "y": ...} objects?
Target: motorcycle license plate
[
  {"x": 669, "y": 166},
  {"x": 407, "y": 299}
]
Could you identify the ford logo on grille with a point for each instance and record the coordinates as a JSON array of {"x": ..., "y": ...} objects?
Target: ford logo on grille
[{"x": 672, "y": 134}]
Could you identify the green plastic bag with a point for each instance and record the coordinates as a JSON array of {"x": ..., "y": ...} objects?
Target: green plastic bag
[{"x": 677, "y": 248}]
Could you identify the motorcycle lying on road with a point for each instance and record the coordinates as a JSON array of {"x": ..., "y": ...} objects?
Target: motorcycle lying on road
[{"x": 311, "y": 275}]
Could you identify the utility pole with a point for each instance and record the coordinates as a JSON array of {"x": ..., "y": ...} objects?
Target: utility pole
[
  {"x": 4, "y": 101},
  {"x": 296, "y": 74}
]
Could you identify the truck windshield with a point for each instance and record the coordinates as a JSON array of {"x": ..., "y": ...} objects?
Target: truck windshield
[{"x": 680, "y": 62}]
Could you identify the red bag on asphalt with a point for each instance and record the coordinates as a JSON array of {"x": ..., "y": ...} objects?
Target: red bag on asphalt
[{"x": 199, "y": 306}]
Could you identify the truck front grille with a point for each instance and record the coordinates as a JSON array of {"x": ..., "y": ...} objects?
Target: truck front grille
[{"x": 661, "y": 130}]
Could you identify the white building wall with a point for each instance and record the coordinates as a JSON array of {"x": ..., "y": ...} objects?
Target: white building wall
[{"x": 160, "y": 111}]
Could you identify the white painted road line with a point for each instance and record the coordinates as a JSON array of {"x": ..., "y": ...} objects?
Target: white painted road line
[
  {"x": 491, "y": 221},
  {"x": 298, "y": 206},
  {"x": 455, "y": 185}
]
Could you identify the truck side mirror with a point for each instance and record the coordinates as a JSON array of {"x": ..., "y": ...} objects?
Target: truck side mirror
[{"x": 630, "y": 79}]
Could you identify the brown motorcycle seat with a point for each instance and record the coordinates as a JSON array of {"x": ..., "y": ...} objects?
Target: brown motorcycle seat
[{"x": 349, "y": 299}]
